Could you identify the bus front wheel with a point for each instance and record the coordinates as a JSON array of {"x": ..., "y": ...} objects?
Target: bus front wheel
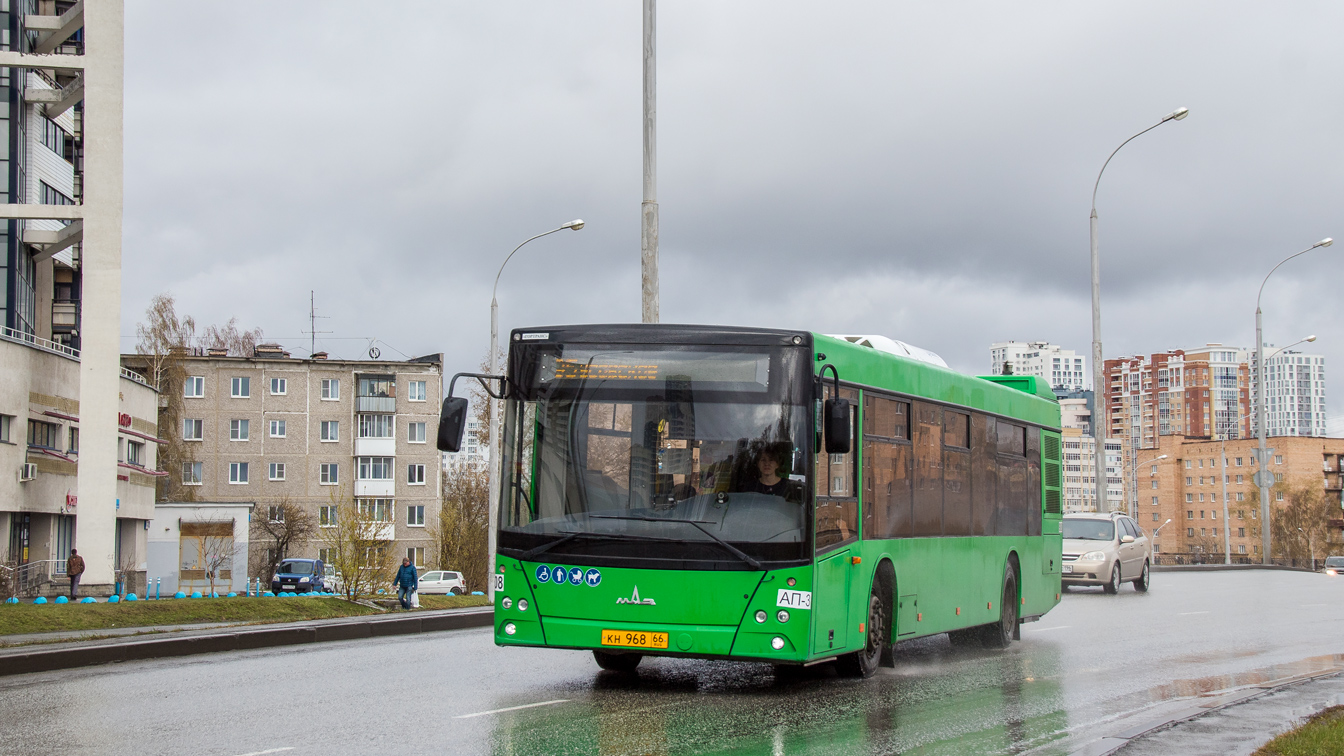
[
  {"x": 864, "y": 662},
  {"x": 1000, "y": 634},
  {"x": 617, "y": 662}
]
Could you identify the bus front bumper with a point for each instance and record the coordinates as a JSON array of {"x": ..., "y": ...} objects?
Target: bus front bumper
[{"x": 746, "y": 642}]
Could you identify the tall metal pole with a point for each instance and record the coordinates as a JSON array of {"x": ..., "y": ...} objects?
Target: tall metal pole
[
  {"x": 648, "y": 242},
  {"x": 1099, "y": 425},
  {"x": 1266, "y": 479},
  {"x": 1227, "y": 537}
]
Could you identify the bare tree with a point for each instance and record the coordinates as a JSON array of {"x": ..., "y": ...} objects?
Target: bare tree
[
  {"x": 461, "y": 542},
  {"x": 359, "y": 549},
  {"x": 217, "y": 550},
  {"x": 1300, "y": 527},
  {"x": 164, "y": 341},
  {"x": 239, "y": 343},
  {"x": 274, "y": 533}
]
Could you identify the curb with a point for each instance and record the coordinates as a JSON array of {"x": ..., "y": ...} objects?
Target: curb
[
  {"x": 1218, "y": 567},
  {"x": 1106, "y": 746},
  {"x": 50, "y": 659}
]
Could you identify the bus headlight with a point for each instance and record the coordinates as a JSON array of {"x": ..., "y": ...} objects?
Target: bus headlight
[
  {"x": 777, "y": 643},
  {"x": 522, "y": 605},
  {"x": 783, "y": 616},
  {"x": 510, "y": 628},
  {"x": 760, "y": 615},
  {"x": 507, "y": 603}
]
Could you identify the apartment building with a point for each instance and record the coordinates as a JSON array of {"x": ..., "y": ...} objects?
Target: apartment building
[
  {"x": 269, "y": 428},
  {"x": 1192, "y": 486},
  {"x": 1295, "y": 392},
  {"x": 1064, "y": 369},
  {"x": 1080, "y": 471},
  {"x": 475, "y": 452}
]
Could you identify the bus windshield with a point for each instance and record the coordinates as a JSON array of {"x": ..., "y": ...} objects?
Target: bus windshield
[{"x": 678, "y": 454}]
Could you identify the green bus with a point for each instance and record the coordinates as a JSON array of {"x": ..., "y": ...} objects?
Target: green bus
[{"x": 764, "y": 495}]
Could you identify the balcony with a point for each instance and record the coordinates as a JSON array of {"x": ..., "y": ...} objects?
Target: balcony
[
  {"x": 376, "y": 404},
  {"x": 375, "y": 447},
  {"x": 375, "y": 488}
]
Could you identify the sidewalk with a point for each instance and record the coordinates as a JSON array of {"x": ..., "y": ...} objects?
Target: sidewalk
[{"x": 166, "y": 641}]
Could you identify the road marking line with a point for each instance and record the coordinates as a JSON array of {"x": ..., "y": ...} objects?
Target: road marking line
[
  {"x": 1182, "y": 614},
  {"x": 508, "y": 708},
  {"x": 1304, "y": 606},
  {"x": 1048, "y": 629},
  {"x": 273, "y": 750}
]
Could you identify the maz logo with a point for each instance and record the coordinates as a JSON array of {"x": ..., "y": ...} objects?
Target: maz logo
[{"x": 635, "y": 599}]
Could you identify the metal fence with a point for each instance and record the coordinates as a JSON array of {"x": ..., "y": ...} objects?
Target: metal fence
[{"x": 1212, "y": 558}]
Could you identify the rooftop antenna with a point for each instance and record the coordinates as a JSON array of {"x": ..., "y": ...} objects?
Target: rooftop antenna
[{"x": 312, "y": 323}]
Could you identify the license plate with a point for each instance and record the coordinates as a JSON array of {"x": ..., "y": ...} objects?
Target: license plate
[
  {"x": 1068, "y": 568},
  {"x": 634, "y": 639},
  {"x": 286, "y": 587}
]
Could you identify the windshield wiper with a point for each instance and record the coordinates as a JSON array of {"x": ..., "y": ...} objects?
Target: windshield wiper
[
  {"x": 570, "y": 535},
  {"x": 755, "y": 565}
]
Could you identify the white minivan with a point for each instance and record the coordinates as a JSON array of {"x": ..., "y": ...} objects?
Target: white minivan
[{"x": 442, "y": 581}]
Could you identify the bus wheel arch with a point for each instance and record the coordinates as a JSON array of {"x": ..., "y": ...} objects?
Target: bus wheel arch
[{"x": 1008, "y": 628}]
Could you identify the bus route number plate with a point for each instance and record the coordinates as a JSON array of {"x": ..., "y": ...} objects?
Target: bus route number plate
[{"x": 634, "y": 639}]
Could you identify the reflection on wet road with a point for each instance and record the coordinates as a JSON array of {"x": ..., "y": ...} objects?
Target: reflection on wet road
[{"x": 1076, "y": 673}]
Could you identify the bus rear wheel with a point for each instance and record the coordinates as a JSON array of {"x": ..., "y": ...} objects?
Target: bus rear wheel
[
  {"x": 864, "y": 662},
  {"x": 617, "y": 662},
  {"x": 1000, "y": 634}
]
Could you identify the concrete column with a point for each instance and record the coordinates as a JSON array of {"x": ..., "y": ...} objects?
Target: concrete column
[{"x": 99, "y": 369}]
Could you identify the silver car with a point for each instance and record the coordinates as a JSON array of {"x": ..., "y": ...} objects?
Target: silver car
[{"x": 1105, "y": 550}]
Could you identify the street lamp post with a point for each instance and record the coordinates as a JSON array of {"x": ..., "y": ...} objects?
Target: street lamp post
[
  {"x": 493, "y": 462},
  {"x": 1159, "y": 530},
  {"x": 1134, "y": 508},
  {"x": 1098, "y": 390},
  {"x": 1265, "y": 479},
  {"x": 648, "y": 253}
]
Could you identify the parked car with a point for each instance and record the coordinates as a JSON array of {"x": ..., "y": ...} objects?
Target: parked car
[
  {"x": 442, "y": 581},
  {"x": 1105, "y": 550},
  {"x": 299, "y": 576},
  {"x": 1333, "y": 565}
]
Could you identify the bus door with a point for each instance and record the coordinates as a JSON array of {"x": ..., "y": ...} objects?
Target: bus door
[{"x": 837, "y": 535}]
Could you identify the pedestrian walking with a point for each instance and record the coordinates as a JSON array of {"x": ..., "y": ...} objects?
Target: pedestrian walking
[
  {"x": 74, "y": 567},
  {"x": 406, "y": 582}
]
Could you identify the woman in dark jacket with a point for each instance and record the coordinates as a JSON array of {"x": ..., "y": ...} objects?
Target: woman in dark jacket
[{"x": 406, "y": 581}]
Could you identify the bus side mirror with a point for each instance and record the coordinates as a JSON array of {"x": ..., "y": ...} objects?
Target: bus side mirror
[
  {"x": 452, "y": 421},
  {"x": 838, "y": 432}
]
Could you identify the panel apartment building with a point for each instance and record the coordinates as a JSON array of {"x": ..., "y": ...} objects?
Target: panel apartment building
[
  {"x": 1295, "y": 392},
  {"x": 269, "y": 428},
  {"x": 1064, "y": 369}
]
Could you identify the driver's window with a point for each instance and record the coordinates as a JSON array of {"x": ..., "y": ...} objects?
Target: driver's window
[{"x": 837, "y": 502}]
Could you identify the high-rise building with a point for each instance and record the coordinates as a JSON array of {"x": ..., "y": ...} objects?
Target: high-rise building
[
  {"x": 1295, "y": 393},
  {"x": 1064, "y": 369},
  {"x": 1080, "y": 482},
  {"x": 474, "y": 452}
]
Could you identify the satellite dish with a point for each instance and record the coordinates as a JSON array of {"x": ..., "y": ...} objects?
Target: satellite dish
[{"x": 373, "y": 353}]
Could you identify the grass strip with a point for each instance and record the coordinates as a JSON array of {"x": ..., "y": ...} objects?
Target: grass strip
[{"x": 1322, "y": 735}]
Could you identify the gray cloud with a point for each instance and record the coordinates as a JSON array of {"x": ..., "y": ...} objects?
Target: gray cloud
[{"x": 922, "y": 172}]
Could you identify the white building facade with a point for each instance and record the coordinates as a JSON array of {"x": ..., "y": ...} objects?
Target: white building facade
[
  {"x": 1080, "y": 472},
  {"x": 1295, "y": 393},
  {"x": 1064, "y": 369}
]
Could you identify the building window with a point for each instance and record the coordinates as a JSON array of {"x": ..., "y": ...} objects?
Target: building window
[
  {"x": 415, "y": 516},
  {"x": 43, "y": 435},
  {"x": 53, "y": 137},
  {"x": 193, "y": 429},
  {"x": 238, "y": 430},
  {"x": 276, "y": 513},
  {"x": 1189, "y": 532},
  {"x": 1239, "y": 461},
  {"x": 1241, "y": 533},
  {"x": 277, "y": 471},
  {"x": 1187, "y": 464},
  {"x": 1278, "y": 459},
  {"x": 415, "y": 475},
  {"x": 277, "y": 429},
  {"x": 194, "y": 387},
  {"x": 1189, "y": 481},
  {"x": 279, "y": 386},
  {"x": 326, "y": 517},
  {"x": 74, "y": 441},
  {"x": 326, "y": 555},
  {"x": 377, "y": 426},
  {"x": 1278, "y": 496},
  {"x": 416, "y": 554},
  {"x": 329, "y": 430},
  {"x": 240, "y": 387},
  {"x": 6, "y": 424},
  {"x": 191, "y": 473},
  {"x": 1155, "y": 515},
  {"x": 374, "y": 468},
  {"x": 1241, "y": 496},
  {"x": 416, "y": 433},
  {"x": 1278, "y": 477},
  {"x": 135, "y": 453},
  {"x": 1241, "y": 548},
  {"x": 1154, "y": 501},
  {"x": 378, "y": 510},
  {"x": 328, "y": 474},
  {"x": 331, "y": 389},
  {"x": 52, "y": 196},
  {"x": 417, "y": 391},
  {"x": 1154, "y": 484},
  {"x": 237, "y": 473}
]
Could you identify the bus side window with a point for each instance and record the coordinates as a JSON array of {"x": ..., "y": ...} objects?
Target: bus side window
[
  {"x": 928, "y": 440},
  {"x": 1012, "y": 480},
  {"x": 956, "y": 474},
  {"x": 984, "y": 474},
  {"x": 886, "y": 468},
  {"x": 837, "y": 503}
]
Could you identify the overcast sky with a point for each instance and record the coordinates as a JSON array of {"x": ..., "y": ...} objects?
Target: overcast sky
[{"x": 919, "y": 171}]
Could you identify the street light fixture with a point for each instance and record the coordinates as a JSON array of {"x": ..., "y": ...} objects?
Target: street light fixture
[
  {"x": 1098, "y": 390},
  {"x": 1134, "y": 508},
  {"x": 1261, "y": 394},
  {"x": 573, "y": 225}
]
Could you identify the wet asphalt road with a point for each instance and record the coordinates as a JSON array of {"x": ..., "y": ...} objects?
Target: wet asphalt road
[{"x": 1074, "y": 675}]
